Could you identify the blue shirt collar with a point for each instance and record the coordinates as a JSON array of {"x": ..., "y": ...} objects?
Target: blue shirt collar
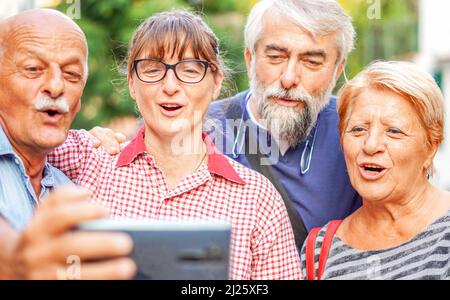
[
  {"x": 5, "y": 145},
  {"x": 48, "y": 180}
]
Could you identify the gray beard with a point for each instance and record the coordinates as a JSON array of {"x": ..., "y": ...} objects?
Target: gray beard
[
  {"x": 289, "y": 123},
  {"x": 293, "y": 127}
]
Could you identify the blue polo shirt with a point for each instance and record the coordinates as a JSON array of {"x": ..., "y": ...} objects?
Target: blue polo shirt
[
  {"x": 17, "y": 197},
  {"x": 323, "y": 192}
]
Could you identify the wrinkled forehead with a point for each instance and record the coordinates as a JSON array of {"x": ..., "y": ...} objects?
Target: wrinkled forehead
[
  {"x": 289, "y": 34},
  {"x": 25, "y": 36},
  {"x": 57, "y": 37},
  {"x": 383, "y": 103}
]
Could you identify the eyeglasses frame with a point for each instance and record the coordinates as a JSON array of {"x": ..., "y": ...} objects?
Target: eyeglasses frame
[{"x": 168, "y": 67}]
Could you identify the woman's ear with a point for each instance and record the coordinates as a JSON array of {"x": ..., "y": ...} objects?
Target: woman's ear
[
  {"x": 218, "y": 79},
  {"x": 131, "y": 87},
  {"x": 431, "y": 153}
]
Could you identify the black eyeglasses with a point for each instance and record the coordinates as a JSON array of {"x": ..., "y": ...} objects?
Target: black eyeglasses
[{"x": 187, "y": 71}]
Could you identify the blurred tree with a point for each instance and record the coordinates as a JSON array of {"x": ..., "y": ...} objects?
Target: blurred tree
[
  {"x": 109, "y": 25},
  {"x": 385, "y": 30}
]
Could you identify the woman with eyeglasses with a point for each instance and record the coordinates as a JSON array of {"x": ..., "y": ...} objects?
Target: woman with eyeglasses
[{"x": 171, "y": 169}]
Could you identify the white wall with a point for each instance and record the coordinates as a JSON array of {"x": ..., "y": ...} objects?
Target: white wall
[
  {"x": 434, "y": 48},
  {"x": 434, "y": 27},
  {"x": 9, "y": 8}
]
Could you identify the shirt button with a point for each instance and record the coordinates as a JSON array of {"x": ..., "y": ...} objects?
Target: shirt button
[{"x": 17, "y": 161}]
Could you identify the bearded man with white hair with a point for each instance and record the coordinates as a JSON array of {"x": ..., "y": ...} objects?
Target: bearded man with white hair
[{"x": 295, "y": 52}]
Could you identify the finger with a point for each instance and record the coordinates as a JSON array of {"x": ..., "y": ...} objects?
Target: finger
[
  {"x": 120, "y": 137},
  {"x": 95, "y": 141},
  {"x": 83, "y": 245},
  {"x": 107, "y": 139},
  {"x": 117, "y": 269},
  {"x": 45, "y": 272},
  {"x": 65, "y": 195},
  {"x": 62, "y": 218}
]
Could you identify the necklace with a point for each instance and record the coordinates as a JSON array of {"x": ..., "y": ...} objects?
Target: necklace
[{"x": 204, "y": 156}]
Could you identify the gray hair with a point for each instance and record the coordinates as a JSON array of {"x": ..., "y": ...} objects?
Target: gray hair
[{"x": 318, "y": 17}]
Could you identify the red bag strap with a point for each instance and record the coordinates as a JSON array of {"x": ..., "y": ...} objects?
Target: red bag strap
[
  {"x": 324, "y": 251},
  {"x": 310, "y": 255},
  {"x": 326, "y": 245}
]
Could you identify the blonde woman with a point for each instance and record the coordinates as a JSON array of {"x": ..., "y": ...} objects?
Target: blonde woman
[{"x": 391, "y": 122}]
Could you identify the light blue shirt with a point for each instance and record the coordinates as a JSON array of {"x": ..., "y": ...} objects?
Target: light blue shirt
[{"x": 17, "y": 197}]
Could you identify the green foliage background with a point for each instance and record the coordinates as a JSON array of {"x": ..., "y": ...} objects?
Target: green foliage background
[{"x": 109, "y": 25}]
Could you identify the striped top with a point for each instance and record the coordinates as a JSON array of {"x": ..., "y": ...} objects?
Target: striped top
[{"x": 426, "y": 256}]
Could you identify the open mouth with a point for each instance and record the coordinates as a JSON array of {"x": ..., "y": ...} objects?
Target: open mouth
[
  {"x": 171, "y": 107},
  {"x": 373, "y": 169},
  {"x": 51, "y": 112}
]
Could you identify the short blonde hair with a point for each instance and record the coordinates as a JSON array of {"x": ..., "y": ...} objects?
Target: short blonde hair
[{"x": 405, "y": 79}]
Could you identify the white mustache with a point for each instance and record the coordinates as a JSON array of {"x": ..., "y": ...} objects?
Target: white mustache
[
  {"x": 298, "y": 94},
  {"x": 46, "y": 103}
]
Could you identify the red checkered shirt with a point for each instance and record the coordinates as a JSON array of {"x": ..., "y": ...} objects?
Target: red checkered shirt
[{"x": 131, "y": 185}]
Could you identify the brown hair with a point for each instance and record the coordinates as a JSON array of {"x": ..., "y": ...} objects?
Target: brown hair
[{"x": 174, "y": 31}]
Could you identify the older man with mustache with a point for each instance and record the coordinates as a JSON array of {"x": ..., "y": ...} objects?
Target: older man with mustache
[{"x": 43, "y": 58}]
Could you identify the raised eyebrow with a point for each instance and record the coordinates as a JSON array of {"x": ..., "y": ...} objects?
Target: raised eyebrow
[
  {"x": 32, "y": 53},
  {"x": 74, "y": 61},
  {"x": 22, "y": 54},
  {"x": 394, "y": 122},
  {"x": 357, "y": 122},
  {"x": 315, "y": 53},
  {"x": 273, "y": 47}
]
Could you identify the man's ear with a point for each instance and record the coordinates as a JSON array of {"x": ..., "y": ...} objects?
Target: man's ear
[
  {"x": 248, "y": 62},
  {"x": 341, "y": 68},
  {"x": 2, "y": 49},
  {"x": 2, "y": 37},
  {"x": 78, "y": 107}
]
